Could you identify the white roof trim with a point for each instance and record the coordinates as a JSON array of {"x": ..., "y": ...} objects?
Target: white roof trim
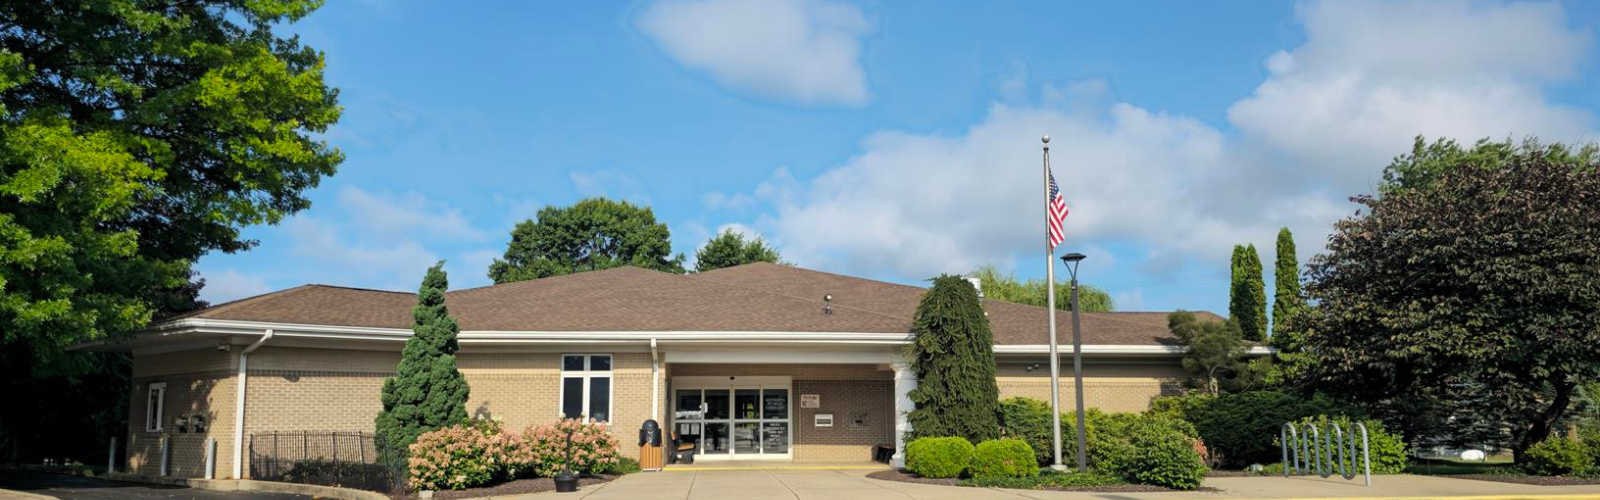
[{"x": 1170, "y": 350}]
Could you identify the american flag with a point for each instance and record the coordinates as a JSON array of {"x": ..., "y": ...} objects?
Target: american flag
[{"x": 1058, "y": 213}]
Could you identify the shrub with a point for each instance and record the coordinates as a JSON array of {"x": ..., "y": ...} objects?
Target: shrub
[
  {"x": 938, "y": 456},
  {"x": 623, "y": 465},
  {"x": 1046, "y": 479},
  {"x": 453, "y": 458},
  {"x": 1004, "y": 458},
  {"x": 1589, "y": 434},
  {"x": 1028, "y": 419},
  {"x": 1388, "y": 451},
  {"x": 593, "y": 448},
  {"x": 1237, "y": 428},
  {"x": 1557, "y": 456},
  {"x": 1147, "y": 449}
]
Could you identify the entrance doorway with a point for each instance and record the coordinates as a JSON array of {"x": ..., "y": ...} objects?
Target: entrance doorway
[{"x": 744, "y": 418}]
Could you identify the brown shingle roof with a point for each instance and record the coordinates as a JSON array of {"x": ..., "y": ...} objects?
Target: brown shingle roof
[{"x": 757, "y": 297}]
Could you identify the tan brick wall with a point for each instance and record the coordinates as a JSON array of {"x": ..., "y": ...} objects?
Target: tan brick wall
[
  {"x": 199, "y": 383},
  {"x": 873, "y": 400},
  {"x": 796, "y": 371},
  {"x": 1114, "y": 387}
]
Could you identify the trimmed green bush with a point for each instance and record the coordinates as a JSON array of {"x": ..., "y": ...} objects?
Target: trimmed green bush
[
  {"x": 1147, "y": 449},
  {"x": 1047, "y": 479},
  {"x": 1238, "y": 428},
  {"x": 1004, "y": 458},
  {"x": 623, "y": 465},
  {"x": 938, "y": 457},
  {"x": 1557, "y": 456},
  {"x": 1028, "y": 419},
  {"x": 1589, "y": 434}
]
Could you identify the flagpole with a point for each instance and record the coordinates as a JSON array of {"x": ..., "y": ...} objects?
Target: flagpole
[{"x": 1050, "y": 305}]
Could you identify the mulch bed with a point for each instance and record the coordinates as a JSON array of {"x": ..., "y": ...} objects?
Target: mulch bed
[
  {"x": 906, "y": 477},
  {"x": 1528, "y": 479},
  {"x": 517, "y": 487}
]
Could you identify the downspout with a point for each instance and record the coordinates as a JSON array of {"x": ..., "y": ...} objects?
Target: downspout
[
  {"x": 655, "y": 382},
  {"x": 238, "y": 406}
]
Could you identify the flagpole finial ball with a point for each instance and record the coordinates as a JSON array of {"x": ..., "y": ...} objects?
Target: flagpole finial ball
[{"x": 1046, "y": 139}]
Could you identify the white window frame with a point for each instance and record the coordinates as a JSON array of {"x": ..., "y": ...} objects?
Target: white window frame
[
  {"x": 587, "y": 375},
  {"x": 158, "y": 392}
]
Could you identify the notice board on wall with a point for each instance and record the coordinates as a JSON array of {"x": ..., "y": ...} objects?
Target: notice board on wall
[{"x": 810, "y": 400}]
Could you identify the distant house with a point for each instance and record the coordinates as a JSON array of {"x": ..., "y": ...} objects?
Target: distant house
[{"x": 750, "y": 362}]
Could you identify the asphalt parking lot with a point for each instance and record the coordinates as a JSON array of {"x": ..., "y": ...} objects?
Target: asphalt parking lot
[{"x": 67, "y": 487}]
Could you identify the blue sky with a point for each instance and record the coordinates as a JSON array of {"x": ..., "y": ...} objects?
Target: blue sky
[{"x": 901, "y": 140}]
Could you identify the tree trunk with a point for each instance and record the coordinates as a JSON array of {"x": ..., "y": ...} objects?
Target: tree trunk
[{"x": 1539, "y": 429}]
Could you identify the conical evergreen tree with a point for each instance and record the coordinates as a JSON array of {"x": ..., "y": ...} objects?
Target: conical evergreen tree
[
  {"x": 1247, "y": 300},
  {"x": 1286, "y": 300},
  {"x": 427, "y": 392},
  {"x": 952, "y": 353}
]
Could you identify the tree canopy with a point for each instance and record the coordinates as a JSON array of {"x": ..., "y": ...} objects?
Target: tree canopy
[
  {"x": 1247, "y": 297},
  {"x": 1004, "y": 286},
  {"x": 137, "y": 136},
  {"x": 1468, "y": 290},
  {"x": 731, "y": 248},
  {"x": 952, "y": 353},
  {"x": 1287, "y": 297},
  {"x": 593, "y": 234},
  {"x": 427, "y": 392},
  {"x": 1216, "y": 351}
]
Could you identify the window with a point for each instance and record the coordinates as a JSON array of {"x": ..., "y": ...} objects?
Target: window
[
  {"x": 586, "y": 386},
  {"x": 154, "y": 406}
]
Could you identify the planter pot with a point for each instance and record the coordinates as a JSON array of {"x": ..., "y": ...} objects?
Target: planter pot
[{"x": 566, "y": 482}]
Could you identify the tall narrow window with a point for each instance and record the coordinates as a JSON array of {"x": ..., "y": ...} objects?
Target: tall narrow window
[
  {"x": 586, "y": 386},
  {"x": 154, "y": 406}
]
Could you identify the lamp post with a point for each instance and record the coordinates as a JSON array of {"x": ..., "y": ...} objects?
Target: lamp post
[{"x": 1072, "y": 260}]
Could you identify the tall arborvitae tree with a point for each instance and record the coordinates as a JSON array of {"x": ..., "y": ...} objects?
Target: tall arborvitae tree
[
  {"x": 1287, "y": 299},
  {"x": 427, "y": 391},
  {"x": 952, "y": 353},
  {"x": 1247, "y": 300}
]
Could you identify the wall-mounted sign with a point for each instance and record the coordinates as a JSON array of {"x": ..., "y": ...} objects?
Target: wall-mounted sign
[
  {"x": 824, "y": 420},
  {"x": 810, "y": 400}
]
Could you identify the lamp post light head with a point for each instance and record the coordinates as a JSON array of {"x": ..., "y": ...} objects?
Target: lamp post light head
[{"x": 1072, "y": 257}]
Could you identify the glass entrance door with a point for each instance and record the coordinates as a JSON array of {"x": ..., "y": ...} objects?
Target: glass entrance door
[{"x": 734, "y": 421}]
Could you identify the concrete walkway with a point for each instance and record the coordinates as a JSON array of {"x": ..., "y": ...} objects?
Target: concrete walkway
[{"x": 851, "y": 484}]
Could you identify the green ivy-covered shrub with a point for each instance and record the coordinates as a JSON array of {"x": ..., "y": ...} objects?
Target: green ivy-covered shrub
[
  {"x": 1004, "y": 458},
  {"x": 1028, "y": 419},
  {"x": 1557, "y": 456},
  {"x": 1238, "y": 428},
  {"x": 1388, "y": 452},
  {"x": 938, "y": 457},
  {"x": 1151, "y": 449}
]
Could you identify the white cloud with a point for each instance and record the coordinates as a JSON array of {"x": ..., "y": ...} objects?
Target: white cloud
[
  {"x": 1321, "y": 127},
  {"x": 403, "y": 216},
  {"x": 1372, "y": 75},
  {"x": 393, "y": 266},
  {"x": 229, "y": 284},
  {"x": 802, "y": 51}
]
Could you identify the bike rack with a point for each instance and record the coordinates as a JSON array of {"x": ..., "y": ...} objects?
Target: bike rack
[{"x": 1324, "y": 453}]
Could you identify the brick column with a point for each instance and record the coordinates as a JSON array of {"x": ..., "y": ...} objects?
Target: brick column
[{"x": 904, "y": 382}]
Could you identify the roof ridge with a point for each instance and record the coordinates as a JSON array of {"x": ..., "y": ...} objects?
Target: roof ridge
[
  {"x": 792, "y": 297},
  {"x": 559, "y": 276}
]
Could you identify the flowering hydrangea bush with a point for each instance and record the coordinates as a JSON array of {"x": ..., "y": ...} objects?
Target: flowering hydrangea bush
[
  {"x": 593, "y": 448},
  {"x": 455, "y": 457}
]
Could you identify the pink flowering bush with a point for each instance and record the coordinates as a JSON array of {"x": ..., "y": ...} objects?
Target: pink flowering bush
[
  {"x": 545, "y": 448},
  {"x": 457, "y": 457}
]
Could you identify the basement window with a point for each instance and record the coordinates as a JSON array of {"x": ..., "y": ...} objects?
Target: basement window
[
  {"x": 586, "y": 387},
  {"x": 154, "y": 406}
]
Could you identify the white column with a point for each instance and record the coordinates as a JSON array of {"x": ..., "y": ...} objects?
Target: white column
[{"x": 905, "y": 381}]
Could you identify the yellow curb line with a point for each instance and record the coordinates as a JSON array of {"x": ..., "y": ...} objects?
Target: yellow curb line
[
  {"x": 1529, "y": 496},
  {"x": 779, "y": 467}
]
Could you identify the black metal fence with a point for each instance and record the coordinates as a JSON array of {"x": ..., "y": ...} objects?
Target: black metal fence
[{"x": 347, "y": 459}]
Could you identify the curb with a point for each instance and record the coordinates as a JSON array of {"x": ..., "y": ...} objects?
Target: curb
[
  {"x": 254, "y": 485},
  {"x": 9, "y": 494}
]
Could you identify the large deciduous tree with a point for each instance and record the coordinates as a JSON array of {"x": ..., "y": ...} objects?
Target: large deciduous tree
[
  {"x": 731, "y": 248},
  {"x": 593, "y": 234},
  {"x": 427, "y": 392},
  {"x": 1247, "y": 297},
  {"x": 136, "y": 136},
  {"x": 1467, "y": 291},
  {"x": 1004, "y": 286},
  {"x": 952, "y": 354}
]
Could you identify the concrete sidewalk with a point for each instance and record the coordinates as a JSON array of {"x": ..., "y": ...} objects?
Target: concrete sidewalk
[{"x": 787, "y": 484}]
